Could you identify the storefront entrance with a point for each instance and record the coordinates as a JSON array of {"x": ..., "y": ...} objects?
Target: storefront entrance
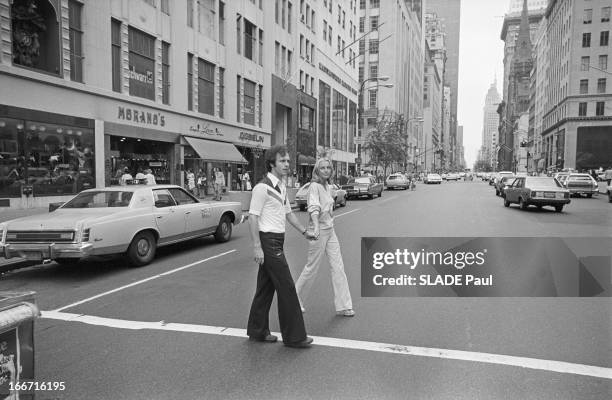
[{"x": 137, "y": 155}]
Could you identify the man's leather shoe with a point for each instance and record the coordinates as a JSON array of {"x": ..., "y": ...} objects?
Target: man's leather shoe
[
  {"x": 301, "y": 345},
  {"x": 268, "y": 338}
]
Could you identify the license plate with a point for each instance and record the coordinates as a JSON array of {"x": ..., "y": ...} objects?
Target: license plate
[{"x": 549, "y": 195}]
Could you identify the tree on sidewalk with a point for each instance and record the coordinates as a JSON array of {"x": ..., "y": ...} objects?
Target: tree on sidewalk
[{"x": 387, "y": 142}]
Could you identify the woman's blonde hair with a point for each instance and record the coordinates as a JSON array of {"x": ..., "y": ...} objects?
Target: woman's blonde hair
[{"x": 316, "y": 171}]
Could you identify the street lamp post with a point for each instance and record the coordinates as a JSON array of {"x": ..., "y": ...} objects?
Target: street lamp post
[{"x": 360, "y": 112}]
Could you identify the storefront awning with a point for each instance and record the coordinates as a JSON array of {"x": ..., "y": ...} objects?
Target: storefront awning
[{"x": 210, "y": 150}]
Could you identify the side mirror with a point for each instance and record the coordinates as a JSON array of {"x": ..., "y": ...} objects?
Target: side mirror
[{"x": 55, "y": 206}]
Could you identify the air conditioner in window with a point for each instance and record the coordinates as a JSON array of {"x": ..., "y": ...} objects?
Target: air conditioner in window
[
  {"x": 303, "y": 18},
  {"x": 307, "y": 58}
]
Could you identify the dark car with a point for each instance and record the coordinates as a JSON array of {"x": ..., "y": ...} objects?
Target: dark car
[
  {"x": 363, "y": 186},
  {"x": 501, "y": 183},
  {"x": 538, "y": 191}
]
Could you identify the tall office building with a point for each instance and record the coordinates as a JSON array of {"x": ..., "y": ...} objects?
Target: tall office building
[
  {"x": 490, "y": 125},
  {"x": 392, "y": 47},
  {"x": 450, "y": 13}
]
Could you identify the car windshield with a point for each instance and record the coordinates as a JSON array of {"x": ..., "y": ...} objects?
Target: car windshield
[
  {"x": 391, "y": 177},
  {"x": 543, "y": 181},
  {"x": 100, "y": 199},
  {"x": 362, "y": 180}
]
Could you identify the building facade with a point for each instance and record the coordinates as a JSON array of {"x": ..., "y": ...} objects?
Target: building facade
[
  {"x": 336, "y": 86},
  {"x": 131, "y": 85},
  {"x": 490, "y": 125},
  {"x": 577, "y": 115},
  {"x": 432, "y": 113},
  {"x": 449, "y": 11},
  {"x": 392, "y": 45},
  {"x": 518, "y": 33}
]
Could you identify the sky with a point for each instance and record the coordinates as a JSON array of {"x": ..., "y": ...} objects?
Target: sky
[{"x": 481, "y": 55}]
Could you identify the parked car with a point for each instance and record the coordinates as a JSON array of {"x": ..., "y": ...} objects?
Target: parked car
[
  {"x": 508, "y": 182},
  {"x": 503, "y": 182},
  {"x": 451, "y": 176},
  {"x": 133, "y": 220},
  {"x": 433, "y": 178},
  {"x": 579, "y": 184},
  {"x": 609, "y": 191},
  {"x": 397, "y": 181},
  {"x": 537, "y": 191},
  {"x": 363, "y": 186},
  {"x": 301, "y": 197},
  {"x": 500, "y": 175}
]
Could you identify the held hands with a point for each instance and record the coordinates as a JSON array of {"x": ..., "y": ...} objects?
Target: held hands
[{"x": 312, "y": 235}]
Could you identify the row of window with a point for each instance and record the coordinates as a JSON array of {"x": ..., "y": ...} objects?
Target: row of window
[
  {"x": 601, "y": 86},
  {"x": 164, "y": 5},
  {"x": 283, "y": 14},
  {"x": 599, "y": 108},
  {"x": 283, "y": 58},
  {"x": 602, "y": 65},
  {"x": 142, "y": 72},
  {"x": 307, "y": 50},
  {"x": 373, "y": 46},
  {"x": 604, "y": 38},
  {"x": 588, "y": 15},
  {"x": 341, "y": 44},
  {"x": 373, "y": 23},
  {"x": 373, "y": 4},
  {"x": 307, "y": 16},
  {"x": 307, "y": 83}
]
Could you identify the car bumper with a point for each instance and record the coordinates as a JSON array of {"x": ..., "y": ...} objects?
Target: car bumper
[
  {"x": 396, "y": 185},
  {"x": 550, "y": 202},
  {"x": 356, "y": 193},
  {"x": 583, "y": 190},
  {"x": 45, "y": 251}
]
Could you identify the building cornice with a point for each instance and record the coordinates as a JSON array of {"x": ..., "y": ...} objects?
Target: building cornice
[{"x": 595, "y": 118}]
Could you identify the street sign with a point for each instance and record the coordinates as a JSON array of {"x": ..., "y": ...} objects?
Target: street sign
[
  {"x": 358, "y": 140},
  {"x": 358, "y": 160}
]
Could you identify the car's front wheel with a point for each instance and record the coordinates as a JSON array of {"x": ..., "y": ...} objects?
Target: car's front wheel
[
  {"x": 380, "y": 193},
  {"x": 589, "y": 195},
  {"x": 523, "y": 204},
  {"x": 506, "y": 203},
  {"x": 142, "y": 249},
  {"x": 224, "y": 230},
  {"x": 559, "y": 208}
]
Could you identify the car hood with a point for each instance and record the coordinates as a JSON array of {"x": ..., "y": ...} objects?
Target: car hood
[{"x": 61, "y": 219}]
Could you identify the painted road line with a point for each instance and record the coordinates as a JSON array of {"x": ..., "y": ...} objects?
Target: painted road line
[
  {"x": 487, "y": 358},
  {"x": 143, "y": 281},
  {"x": 348, "y": 212}
]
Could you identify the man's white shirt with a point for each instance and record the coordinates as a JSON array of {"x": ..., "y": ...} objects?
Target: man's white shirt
[{"x": 270, "y": 206}]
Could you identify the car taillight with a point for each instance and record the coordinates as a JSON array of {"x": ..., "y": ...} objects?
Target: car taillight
[{"x": 85, "y": 237}]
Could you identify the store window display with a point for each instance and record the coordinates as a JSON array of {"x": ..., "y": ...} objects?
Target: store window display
[
  {"x": 140, "y": 158},
  {"x": 54, "y": 159}
]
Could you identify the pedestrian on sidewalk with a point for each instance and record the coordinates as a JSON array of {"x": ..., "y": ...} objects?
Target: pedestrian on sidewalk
[
  {"x": 268, "y": 211},
  {"x": 219, "y": 183},
  {"x": 320, "y": 207},
  {"x": 191, "y": 185},
  {"x": 201, "y": 181}
]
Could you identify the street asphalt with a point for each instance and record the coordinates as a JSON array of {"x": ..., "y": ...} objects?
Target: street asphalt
[{"x": 116, "y": 358}]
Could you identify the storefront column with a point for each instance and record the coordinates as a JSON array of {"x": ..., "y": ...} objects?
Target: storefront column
[
  {"x": 179, "y": 161},
  {"x": 100, "y": 153}
]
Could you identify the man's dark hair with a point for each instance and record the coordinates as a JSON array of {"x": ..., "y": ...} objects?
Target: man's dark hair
[{"x": 271, "y": 153}]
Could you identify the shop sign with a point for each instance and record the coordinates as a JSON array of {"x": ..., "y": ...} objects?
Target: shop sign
[
  {"x": 252, "y": 137},
  {"x": 147, "y": 77},
  {"x": 141, "y": 117},
  {"x": 155, "y": 164},
  {"x": 205, "y": 130}
]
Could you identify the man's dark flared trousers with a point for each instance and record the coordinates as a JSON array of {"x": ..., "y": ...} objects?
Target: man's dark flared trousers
[{"x": 274, "y": 275}]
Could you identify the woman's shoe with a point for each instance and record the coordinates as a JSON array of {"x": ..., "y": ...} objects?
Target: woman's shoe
[{"x": 346, "y": 313}]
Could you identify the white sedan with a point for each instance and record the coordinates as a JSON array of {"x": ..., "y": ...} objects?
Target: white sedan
[
  {"x": 130, "y": 220},
  {"x": 433, "y": 178}
]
